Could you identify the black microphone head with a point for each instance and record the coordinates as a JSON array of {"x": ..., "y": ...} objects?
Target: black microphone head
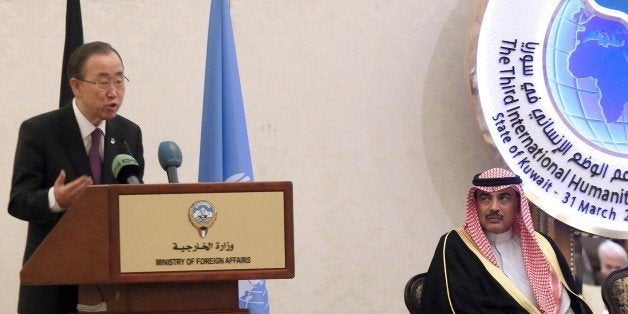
[
  {"x": 124, "y": 167},
  {"x": 169, "y": 155}
]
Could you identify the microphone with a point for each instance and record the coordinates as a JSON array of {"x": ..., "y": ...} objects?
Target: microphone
[
  {"x": 170, "y": 159},
  {"x": 126, "y": 169}
]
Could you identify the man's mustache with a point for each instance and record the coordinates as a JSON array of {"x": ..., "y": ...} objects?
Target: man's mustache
[{"x": 494, "y": 215}]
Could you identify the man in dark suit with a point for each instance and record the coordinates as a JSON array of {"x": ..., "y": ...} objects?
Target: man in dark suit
[{"x": 53, "y": 159}]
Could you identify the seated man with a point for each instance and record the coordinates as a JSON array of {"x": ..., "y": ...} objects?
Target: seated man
[
  {"x": 496, "y": 262},
  {"x": 612, "y": 257}
]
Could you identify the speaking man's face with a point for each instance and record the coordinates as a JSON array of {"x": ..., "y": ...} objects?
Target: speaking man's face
[
  {"x": 497, "y": 210},
  {"x": 100, "y": 92}
]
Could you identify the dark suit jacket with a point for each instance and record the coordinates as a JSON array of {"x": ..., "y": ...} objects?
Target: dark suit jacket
[{"x": 46, "y": 144}]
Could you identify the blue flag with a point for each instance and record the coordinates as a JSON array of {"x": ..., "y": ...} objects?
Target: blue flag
[{"x": 225, "y": 154}]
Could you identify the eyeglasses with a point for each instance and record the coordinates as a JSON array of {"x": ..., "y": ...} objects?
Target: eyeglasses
[{"x": 118, "y": 83}]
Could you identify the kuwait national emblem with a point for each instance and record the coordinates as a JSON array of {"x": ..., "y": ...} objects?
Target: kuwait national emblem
[{"x": 202, "y": 215}]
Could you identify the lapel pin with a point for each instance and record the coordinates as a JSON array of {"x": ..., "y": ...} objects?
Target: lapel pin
[{"x": 113, "y": 140}]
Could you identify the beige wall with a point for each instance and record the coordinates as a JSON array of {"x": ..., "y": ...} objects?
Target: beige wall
[{"x": 362, "y": 104}]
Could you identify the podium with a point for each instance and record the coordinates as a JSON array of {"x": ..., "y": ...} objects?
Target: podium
[{"x": 169, "y": 247}]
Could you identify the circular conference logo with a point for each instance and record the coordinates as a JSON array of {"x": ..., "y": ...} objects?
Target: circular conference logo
[{"x": 551, "y": 80}]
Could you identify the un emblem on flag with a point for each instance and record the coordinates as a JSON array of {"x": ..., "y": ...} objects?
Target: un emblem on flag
[{"x": 202, "y": 215}]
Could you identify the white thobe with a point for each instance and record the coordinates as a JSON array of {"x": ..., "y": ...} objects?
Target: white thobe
[{"x": 507, "y": 250}]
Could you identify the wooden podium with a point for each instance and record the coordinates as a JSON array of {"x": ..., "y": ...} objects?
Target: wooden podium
[{"x": 140, "y": 248}]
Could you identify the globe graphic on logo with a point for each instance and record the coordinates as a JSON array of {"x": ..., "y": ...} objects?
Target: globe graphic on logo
[{"x": 586, "y": 69}]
